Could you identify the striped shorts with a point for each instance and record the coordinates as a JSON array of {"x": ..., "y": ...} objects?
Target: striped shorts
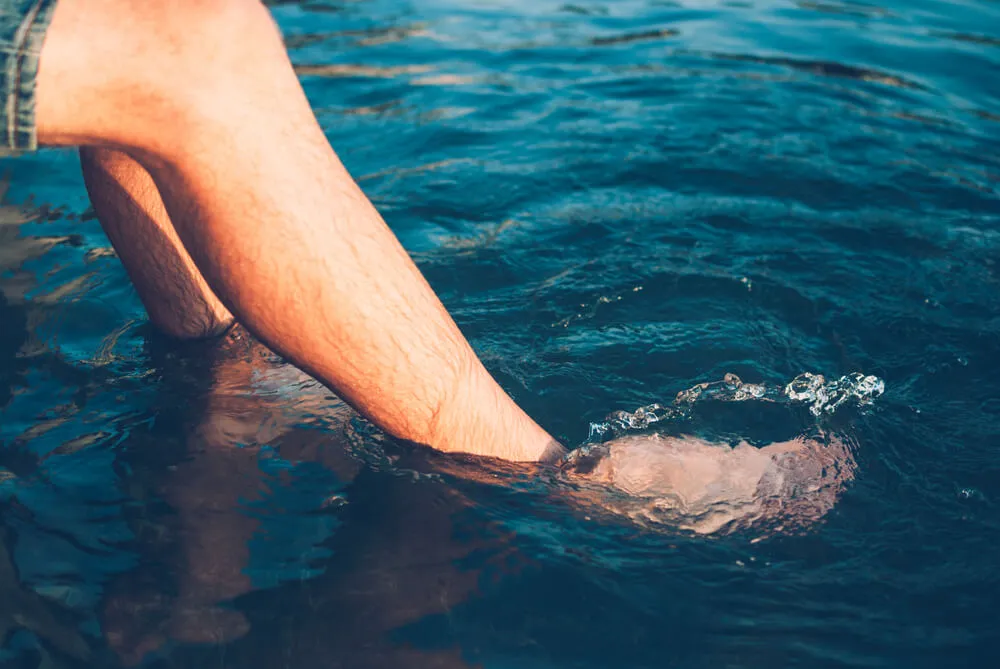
[{"x": 22, "y": 29}]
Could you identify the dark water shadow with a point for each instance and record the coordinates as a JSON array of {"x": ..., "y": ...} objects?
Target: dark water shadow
[
  {"x": 855, "y": 9},
  {"x": 59, "y": 641},
  {"x": 970, "y": 38},
  {"x": 643, "y": 36},
  {"x": 204, "y": 492},
  {"x": 823, "y": 68}
]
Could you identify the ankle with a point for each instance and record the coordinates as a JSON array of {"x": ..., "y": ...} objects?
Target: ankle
[{"x": 481, "y": 419}]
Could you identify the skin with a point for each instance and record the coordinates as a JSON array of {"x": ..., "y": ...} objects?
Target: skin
[
  {"x": 202, "y": 97},
  {"x": 128, "y": 205}
]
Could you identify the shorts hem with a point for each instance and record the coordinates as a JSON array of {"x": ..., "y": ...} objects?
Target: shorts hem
[{"x": 22, "y": 53}]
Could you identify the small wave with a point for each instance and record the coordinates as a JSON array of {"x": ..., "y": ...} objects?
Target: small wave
[
  {"x": 983, "y": 40},
  {"x": 646, "y": 35},
  {"x": 845, "y": 9},
  {"x": 812, "y": 390},
  {"x": 369, "y": 37},
  {"x": 584, "y": 11},
  {"x": 824, "y": 68},
  {"x": 340, "y": 70}
]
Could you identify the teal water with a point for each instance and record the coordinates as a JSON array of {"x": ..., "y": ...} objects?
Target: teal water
[{"x": 616, "y": 201}]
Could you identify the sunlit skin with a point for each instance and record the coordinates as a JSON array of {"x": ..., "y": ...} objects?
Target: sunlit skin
[{"x": 203, "y": 99}]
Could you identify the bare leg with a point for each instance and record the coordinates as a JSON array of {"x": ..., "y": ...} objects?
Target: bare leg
[
  {"x": 202, "y": 94},
  {"x": 130, "y": 209}
]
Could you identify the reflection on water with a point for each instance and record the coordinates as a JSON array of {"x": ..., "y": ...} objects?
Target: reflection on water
[
  {"x": 368, "y": 37},
  {"x": 649, "y": 218},
  {"x": 357, "y": 70},
  {"x": 23, "y": 609}
]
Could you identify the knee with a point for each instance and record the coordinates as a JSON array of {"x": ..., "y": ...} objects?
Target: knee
[
  {"x": 126, "y": 63},
  {"x": 202, "y": 46},
  {"x": 204, "y": 34}
]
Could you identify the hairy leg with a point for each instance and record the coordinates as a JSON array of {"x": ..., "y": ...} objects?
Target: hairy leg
[
  {"x": 131, "y": 211},
  {"x": 203, "y": 95}
]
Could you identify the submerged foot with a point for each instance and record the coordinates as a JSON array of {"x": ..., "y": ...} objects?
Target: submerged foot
[{"x": 706, "y": 487}]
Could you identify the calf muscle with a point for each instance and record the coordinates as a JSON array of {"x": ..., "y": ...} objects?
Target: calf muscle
[{"x": 128, "y": 205}]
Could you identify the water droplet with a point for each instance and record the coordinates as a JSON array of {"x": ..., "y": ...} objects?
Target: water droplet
[
  {"x": 335, "y": 501},
  {"x": 828, "y": 397},
  {"x": 970, "y": 494},
  {"x": 813, "y": 390}
]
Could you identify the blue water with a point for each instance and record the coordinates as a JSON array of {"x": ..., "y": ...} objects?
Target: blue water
[{"x": 616, "y": 201}]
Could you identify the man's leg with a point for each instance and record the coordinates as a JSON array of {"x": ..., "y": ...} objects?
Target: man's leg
[
  {"x": 127, "y": 203},
  {"x": 202, "y": 94}
]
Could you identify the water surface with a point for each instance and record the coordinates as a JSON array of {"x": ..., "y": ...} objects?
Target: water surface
[{"x": 617, "y": 201}]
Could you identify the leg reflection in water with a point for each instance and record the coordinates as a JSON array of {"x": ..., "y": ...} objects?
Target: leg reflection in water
[
  {"x": 403, "y": 546},
  {"x": 394, "y": 557}
]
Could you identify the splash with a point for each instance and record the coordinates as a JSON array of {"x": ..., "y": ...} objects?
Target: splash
[{"x": 812, "y": 390}]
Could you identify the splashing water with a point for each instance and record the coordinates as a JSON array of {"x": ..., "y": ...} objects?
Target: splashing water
[
  {"x": 813, "y": 390},
  {"x": 686, "y": 483}
]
